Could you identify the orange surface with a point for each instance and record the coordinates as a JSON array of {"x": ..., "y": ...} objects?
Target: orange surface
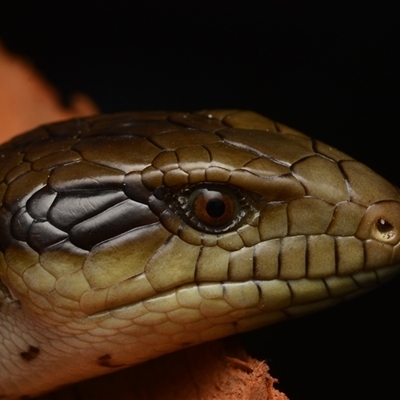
[{"x": 27, "y": 100}]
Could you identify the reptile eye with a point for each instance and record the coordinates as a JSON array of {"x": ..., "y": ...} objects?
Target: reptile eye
[{"x": 212, "y": 207}]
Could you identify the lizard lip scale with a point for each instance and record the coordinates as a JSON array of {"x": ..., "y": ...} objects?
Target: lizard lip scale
[{"x": 124, "y": 237}]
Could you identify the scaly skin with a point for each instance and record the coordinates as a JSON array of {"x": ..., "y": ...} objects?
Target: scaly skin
[{"x": 112, "y": 252}]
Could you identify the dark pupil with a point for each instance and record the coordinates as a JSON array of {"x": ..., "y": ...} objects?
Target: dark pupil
[{"x": 215, "y": 208}]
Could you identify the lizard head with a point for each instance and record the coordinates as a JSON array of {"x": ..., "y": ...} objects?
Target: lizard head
[{"x": 136, "y": 234}]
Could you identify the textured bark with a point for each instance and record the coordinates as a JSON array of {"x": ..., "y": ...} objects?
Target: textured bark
[
  {"x": 27, "y": 100},
  {"x": 216, "y": 370}
]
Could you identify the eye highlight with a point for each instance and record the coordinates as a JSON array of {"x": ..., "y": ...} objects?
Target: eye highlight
[{"x": 211, "y": 208}]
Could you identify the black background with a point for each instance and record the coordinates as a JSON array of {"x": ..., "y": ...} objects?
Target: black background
[{"x": 328, "y": 69}]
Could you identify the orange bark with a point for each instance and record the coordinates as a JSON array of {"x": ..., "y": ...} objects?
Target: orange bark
[{"x": 27, "y": 100}]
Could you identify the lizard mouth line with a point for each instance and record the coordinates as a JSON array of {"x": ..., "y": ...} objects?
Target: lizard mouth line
[{"x": 297, "y": 291}]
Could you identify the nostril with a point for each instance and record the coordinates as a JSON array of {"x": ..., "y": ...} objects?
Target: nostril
[
  {"x": 381, "y": 222},
  {"x": 384, "y": 226}
]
